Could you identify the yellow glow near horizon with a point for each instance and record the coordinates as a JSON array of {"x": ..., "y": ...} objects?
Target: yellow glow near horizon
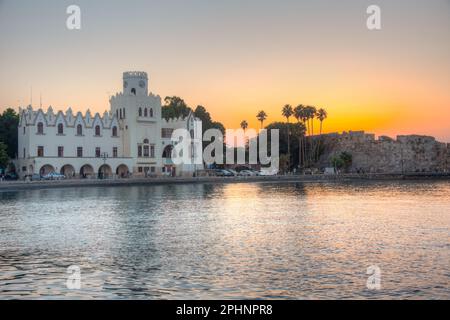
[{"x": 236, "y": 60}]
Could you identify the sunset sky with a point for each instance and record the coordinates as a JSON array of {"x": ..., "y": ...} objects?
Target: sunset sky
[{"x": 237, "y": 57}]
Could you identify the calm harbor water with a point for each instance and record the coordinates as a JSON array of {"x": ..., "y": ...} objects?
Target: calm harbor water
[{"x": 255, "y": 240}]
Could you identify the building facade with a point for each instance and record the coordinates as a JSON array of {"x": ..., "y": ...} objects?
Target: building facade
[{"x": 131, "y": 138}]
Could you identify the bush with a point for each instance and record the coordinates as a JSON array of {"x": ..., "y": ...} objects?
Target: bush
[
  {"x": 343, "y": 160},
  {"x": 4, "y": 158}
]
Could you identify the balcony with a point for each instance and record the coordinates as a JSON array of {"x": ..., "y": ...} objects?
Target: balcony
[{"x": 146, "y": 119}]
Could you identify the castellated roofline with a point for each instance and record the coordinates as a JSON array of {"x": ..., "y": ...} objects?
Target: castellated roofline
[
  {"x": 180, "y": 119},
  {"x": 363, "y": 136},
  {"x": 135, "y": 74},
  {"x": 174, "y": 120},
  {"x": 30, "y": 115},
  {"x": 121, "y": 94}
]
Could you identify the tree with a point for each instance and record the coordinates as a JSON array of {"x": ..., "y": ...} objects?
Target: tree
[
  {"x": 9, "y": 122},
  {"x": 261, "y": 116},
  {"x": 343, "y": 160},
  {"x": 244, "y": 125},
  {"x": 207, "y": 122},
  {"x": 299, "y": 114},
  {"x": 310, "y": 113},
  {"x": 295, "y": 129},
  {"x": 218, "y": 125},
  {"x": 175, "y": 107},
  {"x": 287, "y": 113},
  {"x": 347, "y": 158},
  {"x": 284, "y": 163},
  {"x": 336, "y": 162},
  {"x": 4, "y": 158},
  {"x": 321, "y": 116}
]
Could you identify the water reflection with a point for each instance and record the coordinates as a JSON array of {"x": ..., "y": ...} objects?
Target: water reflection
[{"x": 284, "y": 240}]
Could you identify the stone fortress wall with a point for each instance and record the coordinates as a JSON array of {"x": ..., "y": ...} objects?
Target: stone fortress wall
[{"x": 405, "y": 154}]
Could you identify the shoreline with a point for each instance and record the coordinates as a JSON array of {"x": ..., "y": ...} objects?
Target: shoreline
[{"x": 8, "y": 186}]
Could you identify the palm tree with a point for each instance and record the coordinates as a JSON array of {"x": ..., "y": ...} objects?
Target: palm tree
[
  {"x": 244, "y": 125},
  {"x": 310, "y": 115},
  {"x": 299, "y": 112},
  {"x": 311, "y": 112},
  {"x": 304, "y": 117},
  {"x": 287, "y": 113},
  {"x": 261, "y": 116},
  {"x": 321, "y": 116}
]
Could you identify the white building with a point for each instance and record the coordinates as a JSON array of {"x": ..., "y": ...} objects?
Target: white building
[{"x": 132, "y": 138}]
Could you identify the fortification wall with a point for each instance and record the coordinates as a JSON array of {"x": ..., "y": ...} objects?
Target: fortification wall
[{"x": 412, "y": 153}]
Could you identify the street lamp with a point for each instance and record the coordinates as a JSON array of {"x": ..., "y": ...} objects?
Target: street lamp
[{"x": 104, "y": 157}]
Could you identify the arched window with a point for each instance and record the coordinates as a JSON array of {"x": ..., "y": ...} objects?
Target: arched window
[
  {"x": 192, "y": 133},
  {"x": 167, "y": 153},
  {"x": 133, "y": 91},
  {"x": 40, "y": 128},
  {"x": 79, "y": 130},
  {"x": 145, "y": 112},
  {"x": 60, "y": 128},
  {"x": 120, "y": 117},
  {"x": 140, "y": 112},
  {"x": 97, "y": 130},
  {"x": 146, "y": 141},
  {"x": 124, "y": 113},
  {"x": 114, "y": 131},
  {"x": 151, "y": 112},
  {"x": 117, "y": 113}
]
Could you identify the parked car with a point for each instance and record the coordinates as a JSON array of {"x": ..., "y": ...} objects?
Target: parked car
[
  {"x": 223, "y": 173},
  {"x": 246, "y": 173},
  {"x": 228, "y": 173},
  {"x": 234, "y": 172},
  {"x": 218, "y": 173},
  {"x": 54, "y": 176},
  {"x": 256, "y": 173},
  {"x": 206, "y": 173},
  {"x": 10, "y": 177},
  {"x": 35, "y": 177}
]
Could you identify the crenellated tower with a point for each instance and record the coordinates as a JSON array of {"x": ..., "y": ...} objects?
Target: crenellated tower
[
  {"x": 135, "y": 83},
  {"x": 139, "y": 113}
]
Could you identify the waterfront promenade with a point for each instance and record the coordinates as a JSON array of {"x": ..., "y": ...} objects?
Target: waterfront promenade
[{"x": 26, "y": 185}]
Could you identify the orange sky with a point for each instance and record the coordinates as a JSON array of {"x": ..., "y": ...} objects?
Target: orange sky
[{"x": 237, "y": 58}]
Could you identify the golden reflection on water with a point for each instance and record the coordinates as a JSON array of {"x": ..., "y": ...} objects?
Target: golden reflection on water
[{"x": 266, "y": 240}]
